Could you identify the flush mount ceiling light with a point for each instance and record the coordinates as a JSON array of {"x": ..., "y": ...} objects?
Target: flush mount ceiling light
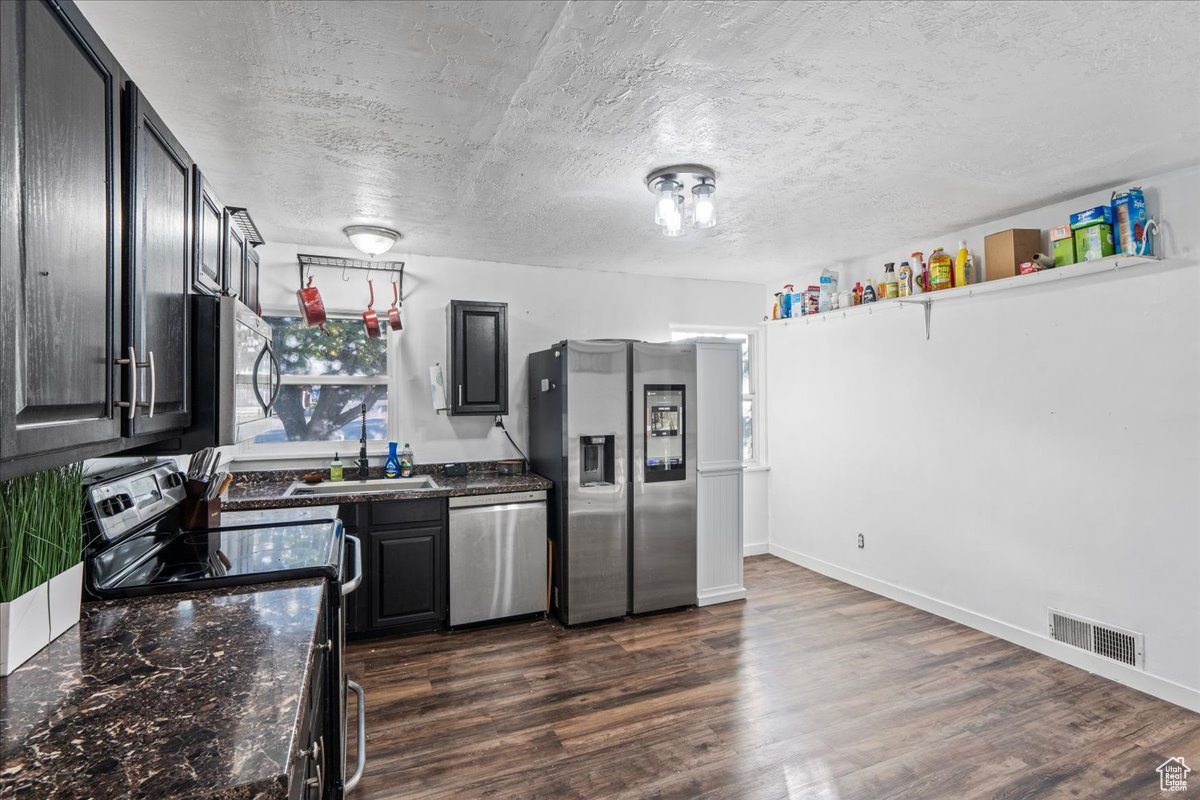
[
  {"x": 371, "y": 239},
  {"x": 686, "y": 196}
]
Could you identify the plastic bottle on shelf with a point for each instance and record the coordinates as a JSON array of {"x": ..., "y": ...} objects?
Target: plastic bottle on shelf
[
  {"x": 889, "y": 286},
  {"x": 962, "y": 264},
  {"x": 868, "y": 292},
  {"x": 920, "y": 275},
  {"x": 904, "y": 278},
  {"x": 785, "y": 302},
  {"x": 941, "y": 270},
  {"x": 858, "y": 293}
]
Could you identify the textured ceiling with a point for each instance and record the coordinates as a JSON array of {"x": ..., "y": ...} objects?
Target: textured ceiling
[{"x": 521, "y": 131}]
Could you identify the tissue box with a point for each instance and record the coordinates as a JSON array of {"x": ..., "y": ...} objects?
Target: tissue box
[{"x": 1063, "y": 243}]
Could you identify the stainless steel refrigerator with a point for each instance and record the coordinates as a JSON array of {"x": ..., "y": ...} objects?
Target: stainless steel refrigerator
[{"x": 612, "y": 426}]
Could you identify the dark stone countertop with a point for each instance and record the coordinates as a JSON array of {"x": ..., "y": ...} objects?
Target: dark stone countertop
[
  {"x": 266, "y": 489},
  {"x": 182, "y": 695}
]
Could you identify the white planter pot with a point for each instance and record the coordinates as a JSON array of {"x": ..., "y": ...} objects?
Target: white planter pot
[
  {"x": 66, "y": 593},
  {"x": 24, "y": 628}
]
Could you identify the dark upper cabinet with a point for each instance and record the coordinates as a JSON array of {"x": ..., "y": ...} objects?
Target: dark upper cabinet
[
  {"x": 478, "y": 357},
  {"x": 158, "y": 270},
  {"x": 250, "y": 281},
  {"x": 235, "y": 258},
  {"x": 208, "y": 253},
  {"x": 60, "y": 248}
]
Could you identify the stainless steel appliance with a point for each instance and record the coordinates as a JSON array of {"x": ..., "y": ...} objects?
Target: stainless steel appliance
[
  {"x": 497, "y": 556},
  {"x": 137, "y": 547},
  {"x": 663, "y": 496},
  {"x": 612, "y": 428}
]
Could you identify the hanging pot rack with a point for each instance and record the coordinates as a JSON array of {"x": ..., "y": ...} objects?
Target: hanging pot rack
[{"x": 393, "y": 268}]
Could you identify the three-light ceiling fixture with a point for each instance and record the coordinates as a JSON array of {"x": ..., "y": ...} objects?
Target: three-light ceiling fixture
[{"x": 686, "y": 196}]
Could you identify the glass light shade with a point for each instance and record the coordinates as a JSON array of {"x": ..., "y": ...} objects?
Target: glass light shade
[
  {"x": 665, "y": 206},
  {"x": 371, "y": 239},
  {"x": 673, "y": 223},
  {"x": 705, "y": 213}
]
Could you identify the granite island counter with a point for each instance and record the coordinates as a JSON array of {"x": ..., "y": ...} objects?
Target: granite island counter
[{"x": 195, "y": 694}]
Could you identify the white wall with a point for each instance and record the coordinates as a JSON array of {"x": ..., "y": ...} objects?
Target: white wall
[
  {"x": 1042, "y": 449},
  {"x": 545, "y": 306}
]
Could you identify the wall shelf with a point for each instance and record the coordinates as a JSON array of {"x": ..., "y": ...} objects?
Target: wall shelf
[{"x": 928, "y": 299}]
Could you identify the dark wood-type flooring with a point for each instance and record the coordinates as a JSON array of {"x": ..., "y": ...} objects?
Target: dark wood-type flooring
[{"x": 809, "y": 689}]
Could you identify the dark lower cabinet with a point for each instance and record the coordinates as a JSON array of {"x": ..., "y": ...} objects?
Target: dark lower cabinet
[
  {"x": 406, "y": 575},
  {"x": 478, "y": 350},
  {"x": 158, "y": 271},
  {"x": 60, "y": 244},
  {"x": 312, "y": 773}
]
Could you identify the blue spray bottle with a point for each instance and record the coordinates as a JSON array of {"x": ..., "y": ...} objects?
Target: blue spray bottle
[{"x": 391, "y": 467}]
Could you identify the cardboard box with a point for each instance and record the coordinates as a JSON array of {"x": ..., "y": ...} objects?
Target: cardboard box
[
  {"x": 1004, "y": 252},
  {"x": 1129, "y": 221},
  {"x": 1094, "y": 241},
  {"x": 1092, "y": 216},
  {"x": 1062, "y": 241}
]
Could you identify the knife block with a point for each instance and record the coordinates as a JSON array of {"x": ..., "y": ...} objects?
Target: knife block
[{"x": 199, "y": 512}]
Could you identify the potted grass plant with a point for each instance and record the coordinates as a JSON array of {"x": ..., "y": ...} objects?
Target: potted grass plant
[{"x": 41, "y": 555}]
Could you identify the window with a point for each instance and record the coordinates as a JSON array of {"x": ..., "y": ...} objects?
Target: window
[
  {"x": 752, "y": 454},
  {"x": 325, "y": 380}
]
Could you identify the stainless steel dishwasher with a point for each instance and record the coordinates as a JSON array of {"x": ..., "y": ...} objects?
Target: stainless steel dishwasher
[{"x": 497, "y": 556}]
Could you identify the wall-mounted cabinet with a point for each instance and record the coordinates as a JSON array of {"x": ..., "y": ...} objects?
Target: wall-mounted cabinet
[
  {"x": 235, "y": 257},
  {"x": 60, "y": 242},
  {"x": 209, "y": 251},
  {"x": 250, "y": 281},
  {"x": 478, "y": 351},
  {"x": 158, "y": 271}
]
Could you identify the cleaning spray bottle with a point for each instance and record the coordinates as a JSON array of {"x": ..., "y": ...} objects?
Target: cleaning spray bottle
[{"x": 962, "y": 265}]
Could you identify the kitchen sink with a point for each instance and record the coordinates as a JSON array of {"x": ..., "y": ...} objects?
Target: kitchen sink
[{"x": 376, "y": 485}]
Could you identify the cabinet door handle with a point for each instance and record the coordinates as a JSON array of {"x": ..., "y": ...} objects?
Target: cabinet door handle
[
  {"x": 131, "y": 404},
  {"x": 460, "y": 402},
  {"x": 153, "y": 385}
]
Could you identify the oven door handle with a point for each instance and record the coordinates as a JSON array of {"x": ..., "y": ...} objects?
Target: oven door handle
[
  {"x": 353, "y": 780},
  {"x": 352, "y": 584}
]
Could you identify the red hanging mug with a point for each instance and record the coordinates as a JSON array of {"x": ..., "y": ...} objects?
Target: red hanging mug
[
  {"x": 394, "y": 311},
  {"x": 370, "y": 318},
  {"x": 312, "y": 308}
]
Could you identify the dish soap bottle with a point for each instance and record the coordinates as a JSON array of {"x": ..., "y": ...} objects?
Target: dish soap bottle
[
  {"x": 391, "y": 467},
  {"x": 335, "y": 469},
  {"x": 406, "y": 461}
]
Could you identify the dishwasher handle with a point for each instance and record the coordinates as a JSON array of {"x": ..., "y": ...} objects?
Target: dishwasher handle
[{"x": 502, "y": 499}]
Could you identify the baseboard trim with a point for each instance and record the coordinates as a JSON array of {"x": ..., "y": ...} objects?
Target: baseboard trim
[
  {"x": 721, "y": 596},
  {"x": 1162, "y": 688},
  {"x": 755, "y": 549}
]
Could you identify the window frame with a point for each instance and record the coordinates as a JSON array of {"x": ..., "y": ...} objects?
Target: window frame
[
  {"x": 756, "y": 358},
  {"x": 251, "y": 450}
]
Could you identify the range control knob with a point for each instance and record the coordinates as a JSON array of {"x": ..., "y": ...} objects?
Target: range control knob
[{"x": 175, "y": 479}]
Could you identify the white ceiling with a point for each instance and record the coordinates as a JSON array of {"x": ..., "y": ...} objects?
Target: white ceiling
[{"x": 521, "y": 131}]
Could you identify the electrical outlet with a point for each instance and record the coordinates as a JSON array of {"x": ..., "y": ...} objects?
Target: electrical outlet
[
  {"x": 499, "y": 421},
  {"x": 862, "y": 542}
]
